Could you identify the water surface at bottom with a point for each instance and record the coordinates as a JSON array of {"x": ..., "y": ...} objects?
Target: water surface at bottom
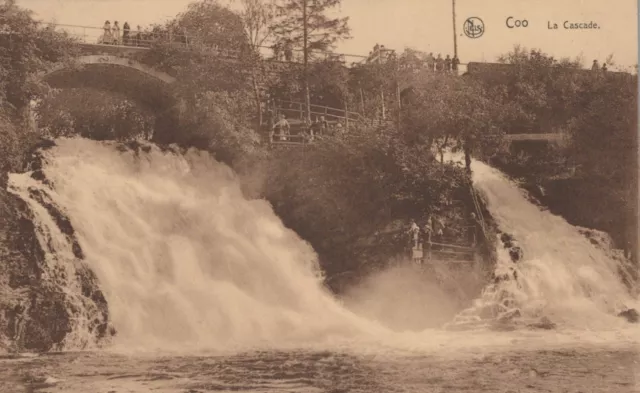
[{"x": 571, "y": 369}]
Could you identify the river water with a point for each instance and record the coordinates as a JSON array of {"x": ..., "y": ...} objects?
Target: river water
[{"x": 209, "y": 291}]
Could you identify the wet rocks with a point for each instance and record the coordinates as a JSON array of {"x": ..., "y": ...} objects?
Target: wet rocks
[
  {"x": 36, "y": 313},
  {"x": 631, "y": 315},
  {"x": 510, "y": 244}
]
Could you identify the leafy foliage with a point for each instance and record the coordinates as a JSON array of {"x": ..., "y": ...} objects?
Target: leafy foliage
[
  {"x": 93, "y": 114},
  {"x": 452, "y": 111},
  {"x": 26, "y": 49},
  {"x": 221, "y": 123},
  {"x": 258, "y": 17}
]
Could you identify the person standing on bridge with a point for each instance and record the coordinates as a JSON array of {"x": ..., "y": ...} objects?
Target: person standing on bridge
[
  {"x": 454, "y": 64},
  {"x": 115, "y": 32},
  {"x": 447, "y": 64},
  {"x": 431, "y": 61},
  {"x": 125, "y": 33},
  {"x": 439, "y": 63},
  {"x": 107, "y": 38}
]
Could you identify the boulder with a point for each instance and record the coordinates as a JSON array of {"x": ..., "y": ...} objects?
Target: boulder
[
  {"x": 631, "y": 315},
  {"x": 543, "y": 323}
]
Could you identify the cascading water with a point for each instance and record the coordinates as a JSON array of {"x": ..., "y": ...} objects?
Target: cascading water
[
  {"x": 562, "y": 275},
  {"x": 181, "y": 255},
  {"x": 184, "y": 260}
]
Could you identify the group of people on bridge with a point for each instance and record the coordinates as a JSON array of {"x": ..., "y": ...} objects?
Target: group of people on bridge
[
  {"x": 447, "y": 64},
  {"x": 596, "y": 67},
  {"x": 430, "y": 62},
  {"x": 112, "y": 34}
]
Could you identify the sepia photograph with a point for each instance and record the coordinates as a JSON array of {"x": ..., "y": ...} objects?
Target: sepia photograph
[{"x": 319, "y": 196}]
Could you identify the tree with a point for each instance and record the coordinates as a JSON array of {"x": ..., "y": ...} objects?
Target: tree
[
  {"x": 304, "y": 24},
  {"x": 27, "y": 48},
  {"x": 208, "y": 23},
  {"x": 449, "y": 112},
  {"x": 220, "y": 122},
  {"x": 257, "y": 17},
  {"x": 93, "y": 114},
  {"x": 534, "y": 90},
  {"x": 372, "y": 84}
]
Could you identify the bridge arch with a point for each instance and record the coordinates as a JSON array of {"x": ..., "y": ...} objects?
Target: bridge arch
[
  {"x": 113, "y": 61},
  {"x": 124, "y": 76},
  {"x": 118, "y": 74}
]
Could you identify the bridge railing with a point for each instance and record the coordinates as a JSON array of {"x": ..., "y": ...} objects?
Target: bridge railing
[
  {"x": 294, "y": 110},
  {"x": 93, "y": 35},
  {"x": 135, "y": 38},
  {"x": 297, "y": 110}
]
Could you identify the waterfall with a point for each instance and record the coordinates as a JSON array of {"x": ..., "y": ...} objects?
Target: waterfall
[
  {"x": 562, "y": 275},
  {"x": 180, "y": 254}
]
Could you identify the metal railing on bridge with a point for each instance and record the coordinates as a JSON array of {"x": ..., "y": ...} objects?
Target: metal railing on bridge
[
  {"x": 142, "y": 39},
  {"x": 145, "y": 39}
]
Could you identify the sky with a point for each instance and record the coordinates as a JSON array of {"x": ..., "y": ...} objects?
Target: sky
[{"x": 425, "y": 25}]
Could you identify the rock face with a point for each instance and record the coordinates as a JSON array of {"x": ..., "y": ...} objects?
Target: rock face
[
  {"x": 35, "y": 313},
  {"x": 627, "y": 270},
  {"x": 515, "y": 252},
  {"x": 631, "y": 315}
]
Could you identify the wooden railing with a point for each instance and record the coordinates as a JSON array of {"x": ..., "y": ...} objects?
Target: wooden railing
[
  {"x": 442, "y": 251},
  {"x": 292, "y": 109}
]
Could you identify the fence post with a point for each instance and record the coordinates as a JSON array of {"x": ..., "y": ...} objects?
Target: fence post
[{"x": 346, "y": 115}]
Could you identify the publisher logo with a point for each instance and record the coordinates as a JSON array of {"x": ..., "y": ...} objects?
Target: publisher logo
[{"x": 473, "y": 27}]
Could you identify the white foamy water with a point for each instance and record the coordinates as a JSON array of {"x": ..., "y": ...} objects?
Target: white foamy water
[
  {"x": 562, "y": 275},
  {"x": 182, "y": 256},
  {"x": 186, "y": 261}
]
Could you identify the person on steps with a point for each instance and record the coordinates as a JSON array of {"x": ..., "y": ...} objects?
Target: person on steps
[
  {"x": 414, "y": 231},
  {"x": 283, "y": 127}
]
